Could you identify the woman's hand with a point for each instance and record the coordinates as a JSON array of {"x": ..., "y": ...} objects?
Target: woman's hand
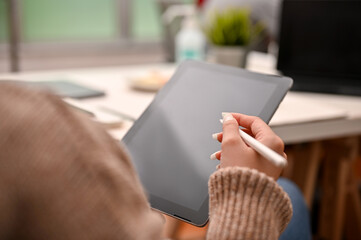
[{"x": 235, "y": 152}]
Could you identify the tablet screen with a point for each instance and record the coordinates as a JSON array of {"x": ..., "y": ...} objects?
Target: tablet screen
[{"x": 172, "y": 141}]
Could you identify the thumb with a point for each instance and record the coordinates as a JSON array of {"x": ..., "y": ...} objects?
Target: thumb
[{"x": 231, "y": 134}]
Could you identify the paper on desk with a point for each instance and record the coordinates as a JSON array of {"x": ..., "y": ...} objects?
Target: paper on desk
[{"x": 297, "y": 108}]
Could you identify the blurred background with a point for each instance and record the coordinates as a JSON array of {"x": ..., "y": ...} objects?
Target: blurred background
[
  {"x": 82, "y": 33},
  {"x": 50, "y": 34}
]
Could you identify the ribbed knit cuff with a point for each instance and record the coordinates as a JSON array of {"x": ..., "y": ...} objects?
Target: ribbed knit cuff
[{"x": 246, "y": 204}]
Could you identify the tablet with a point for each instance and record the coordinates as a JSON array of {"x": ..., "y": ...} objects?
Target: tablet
[{"x": 171, "y": 142}]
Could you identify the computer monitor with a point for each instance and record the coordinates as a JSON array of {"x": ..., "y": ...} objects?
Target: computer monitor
[{"x": 320, "y": 45}]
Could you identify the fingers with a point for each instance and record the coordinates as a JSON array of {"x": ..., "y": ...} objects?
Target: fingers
[
  {"x": 219, "y": 136},
  {"x": 231, "y": 134},
  {"x": 216, "y": 155},
  {"x": 236, "y": 152},
  {"x": 257, "y": 126},
  {"x": 261, "y": 131}
]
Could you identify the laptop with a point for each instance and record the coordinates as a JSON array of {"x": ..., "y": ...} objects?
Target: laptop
[{"x": 320, "y": 45}]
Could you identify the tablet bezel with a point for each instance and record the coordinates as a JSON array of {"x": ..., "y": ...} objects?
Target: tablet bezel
[{"x": 200, "y": 217}]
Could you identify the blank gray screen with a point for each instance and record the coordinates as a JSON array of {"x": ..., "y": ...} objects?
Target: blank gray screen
[{"x": 171, "y": 147}]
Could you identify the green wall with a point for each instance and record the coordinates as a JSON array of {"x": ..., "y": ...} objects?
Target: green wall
[
  {"x": 44, "y": 20},
  {"x": 146, "y": 19},
  {"x": 63, "y": 20}
]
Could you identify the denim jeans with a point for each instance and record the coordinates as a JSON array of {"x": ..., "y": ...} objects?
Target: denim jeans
[{"x": 300, "y": 225}]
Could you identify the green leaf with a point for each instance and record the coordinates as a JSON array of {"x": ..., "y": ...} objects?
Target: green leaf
[{"x": 232, "y": 27}]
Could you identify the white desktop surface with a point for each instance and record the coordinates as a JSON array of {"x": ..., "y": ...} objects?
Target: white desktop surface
[{"x": 301, "y": 117}]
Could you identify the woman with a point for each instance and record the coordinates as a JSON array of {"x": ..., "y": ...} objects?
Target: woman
[{"x": 63, "y": 177}]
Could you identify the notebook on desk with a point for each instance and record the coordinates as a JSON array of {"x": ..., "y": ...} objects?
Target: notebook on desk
[{"x": 320, "y": 45}]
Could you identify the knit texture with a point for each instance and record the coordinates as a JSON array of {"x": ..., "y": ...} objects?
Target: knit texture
[
  {"x": 63, "y": 177},
  {"x": 246, "y": 204}
]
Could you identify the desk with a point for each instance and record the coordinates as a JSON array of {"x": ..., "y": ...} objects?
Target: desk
[{"x": 319, "y": 119}]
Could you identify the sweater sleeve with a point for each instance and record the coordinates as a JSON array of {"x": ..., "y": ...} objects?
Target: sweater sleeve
[
  {"x": 246, "y": 204},
  {"x": 63, "y": 177}
]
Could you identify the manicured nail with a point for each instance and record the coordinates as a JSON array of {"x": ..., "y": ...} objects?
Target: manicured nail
[
  {"x": 227, "y": 117},
  {"x": 225, "y": 113},
  {"x": 215, "y": 136},
  {"x": 218, "y": 166},
  {"x": 213, "y": 156}
]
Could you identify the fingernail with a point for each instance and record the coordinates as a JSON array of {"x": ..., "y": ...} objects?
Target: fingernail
[
  {"x": 218, "y": 166},
  {"x": 227, "y": 117},
  {"x": 225, "y": 113},
  {"x": 215, "y": 136},
  {"x": 213, "y": 156}
]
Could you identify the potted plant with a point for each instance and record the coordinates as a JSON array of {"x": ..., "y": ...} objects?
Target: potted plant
[{"x": 231, "y": 34}]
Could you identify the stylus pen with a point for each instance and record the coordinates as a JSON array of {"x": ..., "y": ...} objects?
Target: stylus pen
[{"x": 262, "y": 149}]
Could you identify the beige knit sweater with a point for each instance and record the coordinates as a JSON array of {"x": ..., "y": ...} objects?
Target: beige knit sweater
[{"x": 63, "y": 177}]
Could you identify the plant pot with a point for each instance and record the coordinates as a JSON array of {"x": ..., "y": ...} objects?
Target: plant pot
[{"x": 229, "y": 55}]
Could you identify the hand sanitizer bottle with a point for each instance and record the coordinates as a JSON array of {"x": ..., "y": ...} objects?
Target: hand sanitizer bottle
[{"x": 190, "y": 42}]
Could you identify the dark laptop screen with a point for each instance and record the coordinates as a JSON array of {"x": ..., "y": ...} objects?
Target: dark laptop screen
[{"x": 321, "y": 40}]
